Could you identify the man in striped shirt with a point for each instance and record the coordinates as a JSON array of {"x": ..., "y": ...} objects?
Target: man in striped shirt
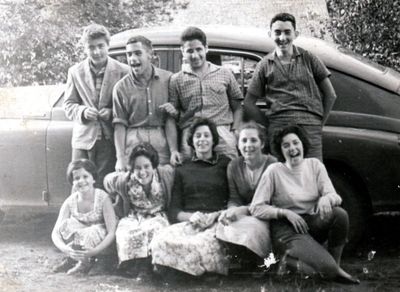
[{"x": 295, "y": 84}]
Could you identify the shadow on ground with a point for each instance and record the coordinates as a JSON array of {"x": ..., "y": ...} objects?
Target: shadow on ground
[{"x": 27, "y": 256}]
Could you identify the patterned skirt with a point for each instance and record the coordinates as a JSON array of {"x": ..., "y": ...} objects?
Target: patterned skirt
[
  {"x": 77, "y": 233},
  {"x": 182, "y": 247},
  {"x": 134, "y": 234}
]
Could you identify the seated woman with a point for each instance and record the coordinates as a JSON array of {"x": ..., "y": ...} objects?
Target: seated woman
[
  {"x": 199, "y": 194},
  {"x": 237, "y": 226},
  {"x": 303, "y": 206},
  {"x": 86, "y": 223},
  {"x": 143, "y": 193}
]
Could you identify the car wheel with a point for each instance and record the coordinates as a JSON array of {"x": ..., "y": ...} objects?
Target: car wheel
[{"x": 355, "y": 203}]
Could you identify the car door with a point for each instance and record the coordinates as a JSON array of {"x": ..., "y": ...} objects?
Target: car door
[
  {"x": 24, "y": 117},
  {"x": 58, "y": 154}
]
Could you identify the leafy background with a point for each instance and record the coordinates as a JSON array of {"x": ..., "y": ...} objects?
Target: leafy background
[{"x": 39, "y": 39}]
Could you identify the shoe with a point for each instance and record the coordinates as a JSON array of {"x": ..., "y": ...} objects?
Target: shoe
[
  {"x": 66, "y": 264},
  {"x": 80, "y": 268}
]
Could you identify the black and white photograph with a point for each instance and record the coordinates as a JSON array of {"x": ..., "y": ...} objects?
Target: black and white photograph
[{"x": 199, "y": 145}]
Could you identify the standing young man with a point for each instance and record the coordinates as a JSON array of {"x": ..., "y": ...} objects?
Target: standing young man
[
  {"x": 295, "y": 85},
  {"x": 139, "y": 101},
  {"x": 88, "y": 101},
  {"x": 205, "y": 90}
]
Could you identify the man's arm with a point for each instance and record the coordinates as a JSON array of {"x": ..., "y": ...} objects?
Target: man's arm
[
  {"x": 73, "y": 105},
  {"x": 119, "y": 140},
  {"x": 236, "y": 106},
  {"x": 329, "y": 97},
  {"x": 252, "y": 111},
  {"x": 172, "y": 139}
]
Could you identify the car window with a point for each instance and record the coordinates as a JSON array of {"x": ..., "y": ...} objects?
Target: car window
[
  {"x": 358, "y": 96},
  {"x": 160, "y": 58},
  {"x": 28, "y": 101}
]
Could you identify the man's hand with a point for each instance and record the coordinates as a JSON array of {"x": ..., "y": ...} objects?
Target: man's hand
[
  {"x": 105, "y": 114},
  {"x": 176, "y": 158},
  {"x": 169, "y": 109},
  {"x": 90, "y": 114},
  {"x": 122, "y": 165}
]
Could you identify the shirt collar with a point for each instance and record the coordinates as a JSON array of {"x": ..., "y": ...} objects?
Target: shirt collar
[
  {"x": 213, "y": 160},
  {"x": 210, "y": 68},
  {"x": 271, "y": 56},
  {"x": 96, "y": 71},
  {"x": 154, "y": 75}
]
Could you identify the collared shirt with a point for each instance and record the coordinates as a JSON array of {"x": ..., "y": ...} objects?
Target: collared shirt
[
  {"x": 209, "y": 96},
  {"x": 212, "y": 160},
  {"x": 98, "y": 77},
  {"x": 137, "y": 106},
  {"x": 291, "y": 90}
]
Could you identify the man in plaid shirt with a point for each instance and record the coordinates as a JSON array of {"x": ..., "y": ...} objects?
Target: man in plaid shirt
[
  {"x": 88, "y": 101},
  {"x": 204, "y": 90}
]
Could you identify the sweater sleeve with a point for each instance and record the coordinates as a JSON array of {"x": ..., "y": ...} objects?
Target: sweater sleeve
[
  {"x": 234, "y": 198},
  {"x": 260, "y": 206},
  {"x": 176, "y": 198},
  {"x": 325, "y": 186}
]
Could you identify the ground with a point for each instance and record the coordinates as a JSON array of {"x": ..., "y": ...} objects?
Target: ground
[{"x": 27, "y": 256}]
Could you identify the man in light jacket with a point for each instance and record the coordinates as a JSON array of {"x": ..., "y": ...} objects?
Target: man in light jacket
[{"x": 88, "y": 101}]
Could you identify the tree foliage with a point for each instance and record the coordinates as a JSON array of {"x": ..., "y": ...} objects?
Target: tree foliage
[
  {"x": 38, "y": 38},
  {"x": 368, "y": 27}
]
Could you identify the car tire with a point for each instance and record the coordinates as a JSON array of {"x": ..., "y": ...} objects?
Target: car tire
[{"x": 356, "y": 204}]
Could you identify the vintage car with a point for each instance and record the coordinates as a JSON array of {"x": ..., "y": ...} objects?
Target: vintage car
[{"x": 361, "y": 139}]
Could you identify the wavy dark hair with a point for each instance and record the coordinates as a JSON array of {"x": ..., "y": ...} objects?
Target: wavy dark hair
[
  {"x": 203, "y": 122},
  {"x": 144, "y": 149},
  {"x": 290, "y": 129},
  {"x": 86, "y": 164},
  {"x": 283, "y": 17},
  {"x": 193, "y": 33}
]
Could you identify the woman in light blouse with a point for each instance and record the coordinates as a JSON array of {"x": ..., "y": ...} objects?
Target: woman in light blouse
[{"x": 302, "y": 205}]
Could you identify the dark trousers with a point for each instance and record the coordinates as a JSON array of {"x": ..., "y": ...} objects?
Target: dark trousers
[
  {"x": 307, "y": 248},
  {"x": 102, "y": 155},
  {"x": 314, "y": 134}
]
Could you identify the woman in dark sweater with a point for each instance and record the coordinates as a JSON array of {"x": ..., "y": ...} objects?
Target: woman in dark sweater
[{"x": 199, "y": 194}]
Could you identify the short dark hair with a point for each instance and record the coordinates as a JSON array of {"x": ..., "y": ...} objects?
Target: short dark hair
[
  {"x": 95, "y": 31},
  {"x": 262, "y": 135},
  {"x": 86, "y": 164},
  {"x": 141, "y": 39},
  {"x": 283, "y": 17},
  {"x": 144, "y": 149},
  {"x": 290, "y": 129},
  {"x": 203, "y": 122},
  {"x": 193, "y": 33}
]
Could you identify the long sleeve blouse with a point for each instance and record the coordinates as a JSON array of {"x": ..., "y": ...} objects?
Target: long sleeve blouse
[{"x": 297, "y": 189}]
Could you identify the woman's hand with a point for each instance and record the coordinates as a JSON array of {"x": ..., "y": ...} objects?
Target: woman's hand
[
  {"x": 232, "y": 214},
  {"x": 299, "y": 225},
  {"x": 203, "y": 220},
  {"x": 324, "y": 207}
]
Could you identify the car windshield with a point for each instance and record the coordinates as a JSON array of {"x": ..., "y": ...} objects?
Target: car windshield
[
  {"x": 362, "y": 59},
  {"x": 28, "y": 101}
]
